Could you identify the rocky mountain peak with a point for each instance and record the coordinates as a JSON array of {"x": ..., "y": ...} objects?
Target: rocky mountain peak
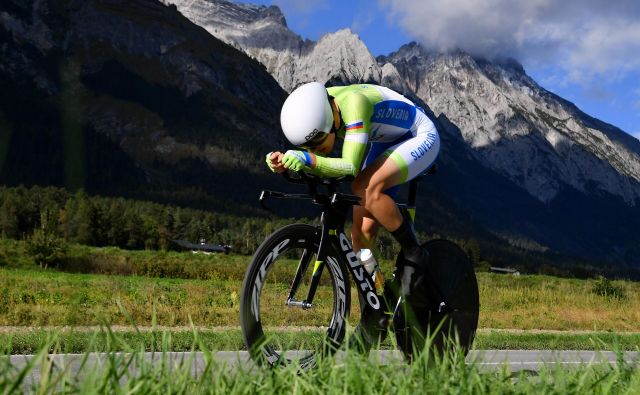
[
  {"x": 518, "y": 128},
  {"x": 235, "y": 13},
  {"x": 273, "y": 13},
  {"x": 338, "y": 57}
]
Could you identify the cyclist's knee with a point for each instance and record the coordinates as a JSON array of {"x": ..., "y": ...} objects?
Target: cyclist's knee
[
  {"x": 372, "y": 195},
  {"x": 367, "y": 232},
  {"x": 369, "y": 229}
]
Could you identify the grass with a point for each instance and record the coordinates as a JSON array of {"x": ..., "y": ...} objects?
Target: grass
[
  {"x": 79, "y": 341},
  {"x": 545, "y": 302},
  {"x": 116, "y": 261},
  {"x": 208, "y": 297},
  {"x": 49, "y": 298},
  {"x": 499, "y": 340},
  {"x": 133, "y": 373},
  {"x": 33, "y": 297}
]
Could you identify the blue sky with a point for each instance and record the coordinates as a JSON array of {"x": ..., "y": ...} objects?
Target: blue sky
[{"x": 586, "y": 51}]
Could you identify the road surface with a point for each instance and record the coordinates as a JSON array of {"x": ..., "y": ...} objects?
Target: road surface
[{"x": 486, "y": 360}]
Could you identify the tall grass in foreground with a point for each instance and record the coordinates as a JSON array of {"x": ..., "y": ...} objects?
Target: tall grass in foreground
[{"x": 134, "y": 373}]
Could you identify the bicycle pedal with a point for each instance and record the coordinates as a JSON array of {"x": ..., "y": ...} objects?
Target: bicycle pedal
[{"x": 444, "y": 308}]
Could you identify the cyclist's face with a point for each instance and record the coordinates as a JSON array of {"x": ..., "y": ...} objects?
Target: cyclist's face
[{"x": 326, "y": 146}]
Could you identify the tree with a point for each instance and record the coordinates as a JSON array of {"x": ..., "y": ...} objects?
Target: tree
[
  {"x": 472, "y": 248},
  {"x": 46, "y": 248},
  {"x": 9, "y": 224},
  {"x": 134, "y": 228}
]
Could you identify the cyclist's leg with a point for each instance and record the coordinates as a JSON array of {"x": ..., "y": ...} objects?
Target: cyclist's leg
[
  {"x": 370, "y": 186},
  {"x": 400, "y": 163},
  {"x": 364, "y": 229},
  {"x": 373, "y": 327},
  {"x": 397, "y": 165},
  {"x": 365, "y": 226},
  {"x": 417, "y": 154}
]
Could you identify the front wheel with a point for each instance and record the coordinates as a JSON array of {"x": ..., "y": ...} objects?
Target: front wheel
[{"x": 270, "y": 312}]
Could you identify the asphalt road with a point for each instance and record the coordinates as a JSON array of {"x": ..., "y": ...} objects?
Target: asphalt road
[{"x": 486, "y": 360}]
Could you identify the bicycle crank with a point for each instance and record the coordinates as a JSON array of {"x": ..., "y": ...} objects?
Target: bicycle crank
[{"x": 298, "y": 303}]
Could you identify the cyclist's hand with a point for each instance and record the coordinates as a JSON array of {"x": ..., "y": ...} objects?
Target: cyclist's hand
[
  {"x": 296, "y": 160},
  {"x": 274, "y": 161}
]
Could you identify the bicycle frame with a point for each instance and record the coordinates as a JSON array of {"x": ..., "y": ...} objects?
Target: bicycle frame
[
  {"x": 448, "y": 266},
  {"x": 334, "y": 213}
]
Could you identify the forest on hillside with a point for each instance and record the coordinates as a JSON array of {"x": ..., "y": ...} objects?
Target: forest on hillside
[{"x": 27, "y": 212}]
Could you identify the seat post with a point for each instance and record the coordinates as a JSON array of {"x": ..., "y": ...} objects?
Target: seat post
[
  {"x": 409, "y": 213},
  {"x": 413, "y": 191}
]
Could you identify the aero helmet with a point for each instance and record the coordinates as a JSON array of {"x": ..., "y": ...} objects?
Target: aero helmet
[{"x": 306, "y": 117}]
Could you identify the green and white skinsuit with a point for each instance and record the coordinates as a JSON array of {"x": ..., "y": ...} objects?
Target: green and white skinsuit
[{"x": 393, "y": 125}]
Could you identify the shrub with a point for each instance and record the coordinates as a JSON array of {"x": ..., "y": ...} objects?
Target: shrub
[
  {"x": 604, "y": 287},
  {"x": 44, "y": 246},
  {"x": 46, "y": 249}
]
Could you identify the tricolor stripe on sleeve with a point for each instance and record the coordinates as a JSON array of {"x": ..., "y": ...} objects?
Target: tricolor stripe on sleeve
[
  {"x": 355, "y": 126},
  {"x": 357, "y": 137}
]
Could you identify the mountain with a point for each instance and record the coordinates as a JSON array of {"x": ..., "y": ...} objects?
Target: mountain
[
  {"x": 535, "y": 138},
  {"x": 581, "y": 176},
  {"x": 131, "y": 98},
  {"x": 262, "y": 33},
  {"x": 527, "y": 164}
]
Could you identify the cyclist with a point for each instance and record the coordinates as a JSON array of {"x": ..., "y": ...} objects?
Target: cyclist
[{"x": 403, "y": 143}]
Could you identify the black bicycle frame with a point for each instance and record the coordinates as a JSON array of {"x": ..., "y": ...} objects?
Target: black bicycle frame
[{"x": 335, "y": 207}]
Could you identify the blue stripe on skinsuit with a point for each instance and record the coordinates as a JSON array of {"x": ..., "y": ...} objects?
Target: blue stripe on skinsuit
[{"x": 394, "y": 112}]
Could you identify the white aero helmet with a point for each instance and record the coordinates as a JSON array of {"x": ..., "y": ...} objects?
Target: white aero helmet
[{"x": 306, "y": 117}]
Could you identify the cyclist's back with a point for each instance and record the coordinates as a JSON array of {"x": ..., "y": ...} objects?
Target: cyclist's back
[{"x": 384, "y": 113}]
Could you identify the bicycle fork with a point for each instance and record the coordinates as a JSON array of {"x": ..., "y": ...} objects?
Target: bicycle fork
[
  {"x": 330, "y": 222},
  {"x": 332, "y": 219}
]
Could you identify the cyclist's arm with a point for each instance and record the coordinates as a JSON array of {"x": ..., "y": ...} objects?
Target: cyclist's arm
[
  {"x": 356, "y": 113},
  {"x": 348, "y": 164}
]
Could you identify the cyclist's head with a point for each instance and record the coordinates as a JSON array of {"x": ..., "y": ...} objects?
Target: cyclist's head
[{"x": 306, "y": 117}]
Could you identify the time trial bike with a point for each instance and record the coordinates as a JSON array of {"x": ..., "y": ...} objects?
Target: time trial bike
[{"x": 299, "y": 279}]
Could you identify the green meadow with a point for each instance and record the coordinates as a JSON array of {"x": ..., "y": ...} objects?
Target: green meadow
[{"x": 175, "y": 291}]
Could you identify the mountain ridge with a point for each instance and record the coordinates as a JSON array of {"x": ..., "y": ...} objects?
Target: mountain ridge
[
  {"x": 135, "y": 80},
  {"x": 132, "y": 98}
]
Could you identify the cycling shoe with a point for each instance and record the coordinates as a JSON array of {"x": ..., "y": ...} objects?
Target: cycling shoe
[
  {"x": 417, "y": 257},
  {"x": 366, "y": 336},
  {"x": 372, "y": 329},
  {"x": 412, "y": 272},
  {"x": 375, "y": 324}
]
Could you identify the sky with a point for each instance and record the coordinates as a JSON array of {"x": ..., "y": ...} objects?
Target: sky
[{"x": 586, "y": 51}]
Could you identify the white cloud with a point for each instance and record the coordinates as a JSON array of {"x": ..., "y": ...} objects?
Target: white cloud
[
  {"x": 636, "y": 134},
  {"x": 587, "y": 39},
  {"x": 363, "y": 20}
]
